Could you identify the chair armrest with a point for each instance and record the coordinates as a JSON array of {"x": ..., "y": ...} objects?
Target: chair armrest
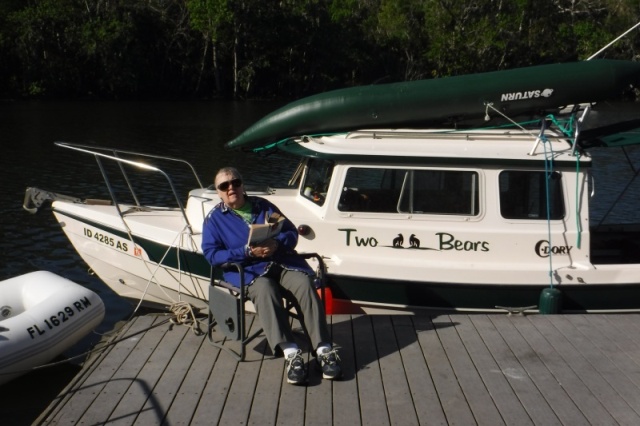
[
  {"x": 221, "y": 283},
  {"x": 241, "y": 265}
]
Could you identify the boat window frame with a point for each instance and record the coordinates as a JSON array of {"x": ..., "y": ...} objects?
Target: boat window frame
[
  {"x": 408, "y": 187},
  {"x": 560, "y": 196},
  {"x": 315, "y": 186}
]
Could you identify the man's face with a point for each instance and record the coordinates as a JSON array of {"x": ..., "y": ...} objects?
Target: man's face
[{"x": 230, "y": 189}]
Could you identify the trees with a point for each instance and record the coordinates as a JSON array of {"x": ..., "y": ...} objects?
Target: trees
[
  {"x": 287, "y": 48},
  {"x": 212, "y": 18}
]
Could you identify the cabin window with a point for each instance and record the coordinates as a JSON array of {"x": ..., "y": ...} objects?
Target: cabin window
[
  {"x": 442, "y": 192},
  {"x": 316, "y": 180},
  {"x": 523, "y": 195}
]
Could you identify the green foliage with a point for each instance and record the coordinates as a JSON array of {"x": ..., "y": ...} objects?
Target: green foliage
[
  {"x": 288, "y": 48},
  {"x": 209, "y": 16}
]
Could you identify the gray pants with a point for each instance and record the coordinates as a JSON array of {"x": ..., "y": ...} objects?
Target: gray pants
[{"x": 267, "y": 292}]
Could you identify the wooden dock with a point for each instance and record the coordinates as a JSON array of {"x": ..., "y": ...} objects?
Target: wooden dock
[{"x": 399, "y": 370}]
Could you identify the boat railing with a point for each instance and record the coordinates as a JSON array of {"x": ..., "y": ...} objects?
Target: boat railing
[
  {"x": 453, "y": 134},
  {"x": 117, "y": 155}
]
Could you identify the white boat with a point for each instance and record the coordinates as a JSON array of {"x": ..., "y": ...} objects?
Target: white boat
[
  {"x": 41, "y": 316},
  {"x": 427, "y": 219},
  {"x": 406, "y": 219}
]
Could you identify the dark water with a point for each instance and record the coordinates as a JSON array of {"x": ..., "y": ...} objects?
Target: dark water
[{"x": 194, "y": 131}]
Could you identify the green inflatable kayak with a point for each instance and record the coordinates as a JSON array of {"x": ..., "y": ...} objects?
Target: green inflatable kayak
[{"x": 429, "y": 103}]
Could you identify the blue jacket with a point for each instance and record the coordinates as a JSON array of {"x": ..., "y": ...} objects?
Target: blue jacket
[{"x": 225, "y": 235}]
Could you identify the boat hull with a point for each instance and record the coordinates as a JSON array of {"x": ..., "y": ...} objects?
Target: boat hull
[
  {"x": 43, "y": 315},
  {"x": 152, "y": 274},
  {"x": 366, "y": 295},
  {"x": 144, "y": 269}
]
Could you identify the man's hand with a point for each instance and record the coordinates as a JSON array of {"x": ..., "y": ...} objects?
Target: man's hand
[{"x": 265, "y": 249}]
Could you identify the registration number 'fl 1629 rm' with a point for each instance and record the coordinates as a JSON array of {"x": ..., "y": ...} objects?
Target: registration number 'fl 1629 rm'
[{"x": 60, "y": 318}]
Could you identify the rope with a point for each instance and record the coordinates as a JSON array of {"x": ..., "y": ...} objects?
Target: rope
[
  {"x": 490, "y": 105},
  {"x": 157, "y": 268},
  {"x": 548, "y": 169},
  {"x": 568, "y": 130},
  {"x": 87, "y": 353},
  {"x": 183, "y": 315},
  {"x": 286, "y": 140},
  {"x": 578, "y": 222}
]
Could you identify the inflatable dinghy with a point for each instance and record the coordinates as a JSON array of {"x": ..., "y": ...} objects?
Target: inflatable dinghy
[{"x": 41, "y": 316}]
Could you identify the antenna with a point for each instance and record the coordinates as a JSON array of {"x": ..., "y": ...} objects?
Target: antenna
[{"x": 608, "y": 45}]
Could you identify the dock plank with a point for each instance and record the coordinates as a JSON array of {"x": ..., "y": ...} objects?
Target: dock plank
[
  {"x": 452, "y": 398},
  {"x": 612, "y": 344},
  {"x": 96, "y": 377},
  {"x": 264, "y": 409},
  {"x": 482, "y": 406},
  {"x": 213, "y": 398},
  {"x": 346, "y": 406},
  {"x": 141, "y": 386},
  {"x": 171, "y": 380},
  {"x": 442, "y": 369},
  {"x": 628, "y": 323},
  {"x": 506, "y": 401},
  {"x": 373, "y": 409},
  {"x": 585, "y": 400},
  {"x": 530, "y": 360},
  {"x": 422, "y": 391},
  {"x": 117, "y": 376},
  {"x": 318, "y": 408},
  {"x": 398, "y": 398},
  {"x": 595, "y": 382},
  {"x": 588, "y": 344},
  {"x": 269, "y": 387},
  {"x": 621, "y": 333},
  {"x": 241, "y": 392},
  {"x": 508, "y": 364},
  {"x": 428, "y": 407},
  {"x": 192, "y": 387}
]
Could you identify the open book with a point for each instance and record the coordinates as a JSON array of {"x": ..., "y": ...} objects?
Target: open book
[{"x": 264, "y": 231}]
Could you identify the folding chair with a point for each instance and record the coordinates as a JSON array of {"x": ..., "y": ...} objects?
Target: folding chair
[{"x": 227, "y": 307}]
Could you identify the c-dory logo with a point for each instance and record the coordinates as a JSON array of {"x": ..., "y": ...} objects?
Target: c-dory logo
[
  {"x": 529, "y": 94},
  {"x": 543, "y": 249}
]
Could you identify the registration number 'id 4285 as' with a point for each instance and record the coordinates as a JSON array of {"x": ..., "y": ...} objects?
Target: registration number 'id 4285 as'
[{"x": 106, "y": 239}]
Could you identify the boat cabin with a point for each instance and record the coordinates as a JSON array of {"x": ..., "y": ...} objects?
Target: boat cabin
[{"x": 490, "y": 210}]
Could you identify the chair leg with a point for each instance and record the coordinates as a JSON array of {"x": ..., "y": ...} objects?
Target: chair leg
[
  {"x": 227, "y": 312},
  {"x": 220, "y": 344}
]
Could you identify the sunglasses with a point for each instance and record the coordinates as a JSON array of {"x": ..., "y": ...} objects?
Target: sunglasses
[{"x": 236, "y": 183}]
